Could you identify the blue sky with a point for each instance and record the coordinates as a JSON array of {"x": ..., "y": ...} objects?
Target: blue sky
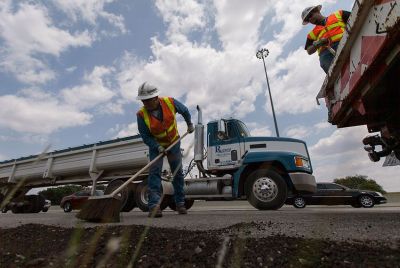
[{"x": 70, "y": 70}]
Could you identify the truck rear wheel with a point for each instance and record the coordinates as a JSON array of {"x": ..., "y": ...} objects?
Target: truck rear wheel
[
  {"x": 126, "y": 195},
  {"x": 266, "y": 189},
  {"x": 142, "y": 201}
]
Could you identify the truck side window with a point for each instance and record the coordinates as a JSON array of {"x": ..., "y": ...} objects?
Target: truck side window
[{"x": 230, "y": 128}]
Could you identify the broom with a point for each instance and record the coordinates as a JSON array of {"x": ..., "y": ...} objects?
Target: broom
[{"x": 106, "y": 208}]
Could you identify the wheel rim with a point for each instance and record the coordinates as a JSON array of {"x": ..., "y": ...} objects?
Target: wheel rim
[
  {"x": 299, "y": 202},
  {"x": 143, "y": 196},
  {"x": 67, "y": 206},
  {"x": 366, "y": 201},
  {"x": 265, "y": 189}
]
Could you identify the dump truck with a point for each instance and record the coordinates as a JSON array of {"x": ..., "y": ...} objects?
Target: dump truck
[
  {"x": 263, "y": 170},
  {"x": 361, "y": 87}
]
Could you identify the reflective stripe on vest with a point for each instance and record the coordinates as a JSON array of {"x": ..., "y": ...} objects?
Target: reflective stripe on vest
[
  {"x": 333, "y": 30},
  {"x": 166, "y": 131}
]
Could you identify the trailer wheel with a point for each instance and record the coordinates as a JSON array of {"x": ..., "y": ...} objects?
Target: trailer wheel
[
  {"x": 126, "y": 195},
  {"x": 266, "y": 189},
  {"x": 188, "y": 204},
  {"x": 142, "y": 201},
  {"x": 141, "y": 196}
]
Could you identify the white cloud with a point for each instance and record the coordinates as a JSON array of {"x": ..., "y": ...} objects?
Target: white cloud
[
  {"x": 92, "y": 92},
  {"x": 124, "y": 130},
  {"x": 297, "y": 132},
  {"x": 90, "y": 11},
  {"x": 257, "y": 131},
  {"x": 40, "y": 114},
  {"x": 182, "y": 16},
  {"x": 242, "y": 33},
  {"x": 71, "y": 69},
  {"x": 24, "y": 46},
  {"x": 322, "y": 125}
]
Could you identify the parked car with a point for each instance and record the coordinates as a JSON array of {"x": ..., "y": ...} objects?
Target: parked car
[
  {"x": 336, "y": 194},
  {"x": 24, "y": 207},
  {"x": 77, "y": 200}
]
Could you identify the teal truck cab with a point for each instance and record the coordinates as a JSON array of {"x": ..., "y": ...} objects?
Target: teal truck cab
[{"x": 262, "y": 170}]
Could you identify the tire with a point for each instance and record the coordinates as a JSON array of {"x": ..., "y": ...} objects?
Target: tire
[
  {"x": 67, "y": 207},
  {"x": 266, "y": 189},
  {"x": 188, "y": 204},
  {"x": 142, "y": 201},
  {"x": 141, "y": 196},
  {"x": 126, "y": 195},
  {"x": 358, "y": 205},
  {"x": 45, "y": 210},
  {"x": 17, "y": 210},
  {"x": 366, "y": 201},
  {"x": 299, "y": 202}
]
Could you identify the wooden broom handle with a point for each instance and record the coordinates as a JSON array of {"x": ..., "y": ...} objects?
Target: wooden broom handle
[{"x": 147, "y": 166}]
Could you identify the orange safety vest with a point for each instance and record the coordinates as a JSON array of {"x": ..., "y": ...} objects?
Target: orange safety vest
[
  {"x": 333, "y": 29},
  {"x": 166, "y": 131}
]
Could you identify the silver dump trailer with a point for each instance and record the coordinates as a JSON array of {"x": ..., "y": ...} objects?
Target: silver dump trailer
[
  {"x": 262, "y": 170},
  {"x": 108, "y": 161}
]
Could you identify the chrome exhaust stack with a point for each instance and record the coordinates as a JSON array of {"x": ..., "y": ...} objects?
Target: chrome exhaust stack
[
  {"x": 199, "y": 143},
  {"x": 199, "y": 137}
]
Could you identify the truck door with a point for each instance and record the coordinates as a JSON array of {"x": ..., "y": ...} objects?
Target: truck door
[{"x": 224, "y": 151}]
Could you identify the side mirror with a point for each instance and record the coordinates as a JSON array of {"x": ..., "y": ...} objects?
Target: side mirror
[{"x": 221, "y": 134}]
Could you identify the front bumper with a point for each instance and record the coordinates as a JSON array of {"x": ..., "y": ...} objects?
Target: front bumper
[
  {"x": 380, "y": 200},
  {"x": 303, "y": 182}
]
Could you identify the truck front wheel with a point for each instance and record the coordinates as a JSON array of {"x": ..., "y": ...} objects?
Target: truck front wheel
[{"x": 266, "y": 189}]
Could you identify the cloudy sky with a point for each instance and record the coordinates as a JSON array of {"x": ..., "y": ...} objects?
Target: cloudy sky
[{"x": 70, "y": 70}]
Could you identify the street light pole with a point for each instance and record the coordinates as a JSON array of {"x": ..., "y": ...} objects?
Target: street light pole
[{"x": 261, "y": 54}]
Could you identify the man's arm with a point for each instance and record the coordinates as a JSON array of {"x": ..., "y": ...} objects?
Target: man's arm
[
  {"x": 184, "y": 111},
  {"x": 311, "y": 49},
  {"x": 148, "y": 139},
  {"x": 345, "y": 16}
]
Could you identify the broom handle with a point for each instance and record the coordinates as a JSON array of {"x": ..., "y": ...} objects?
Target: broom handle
[{"x": 147, "y": 166}]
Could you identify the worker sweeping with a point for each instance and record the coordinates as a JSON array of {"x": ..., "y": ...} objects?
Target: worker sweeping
[
  {"x": 158, "y": 128},
  {"x": 327, "y": 33}
]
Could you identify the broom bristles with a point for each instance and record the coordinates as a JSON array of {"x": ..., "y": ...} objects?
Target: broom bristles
[{"x": 101, "y": 210}]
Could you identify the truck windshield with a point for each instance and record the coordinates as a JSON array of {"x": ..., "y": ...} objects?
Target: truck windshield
[{"x": 244, "y": 132}]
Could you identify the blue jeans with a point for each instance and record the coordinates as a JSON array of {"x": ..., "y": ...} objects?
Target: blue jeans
[
  {"x": 154, "y": 182},
  {"x": 326, "y": 57}
]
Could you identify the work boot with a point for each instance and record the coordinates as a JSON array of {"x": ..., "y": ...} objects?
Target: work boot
[
  {"x": 181, "y": 209},
  {"x": 155, "y": 212}
]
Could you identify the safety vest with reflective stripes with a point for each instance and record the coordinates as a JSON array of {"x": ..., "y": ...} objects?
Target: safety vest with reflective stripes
[
  {"x": 333, "y": 29},
  {"x": 166, "y": 131}
]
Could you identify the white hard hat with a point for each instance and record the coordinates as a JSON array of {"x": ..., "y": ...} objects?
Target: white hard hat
[
  {"x": 307, "y": 12},
  {"x": 147, "y": 91}
]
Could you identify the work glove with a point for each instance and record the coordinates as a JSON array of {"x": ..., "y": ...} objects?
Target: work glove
[
  {"x": 190, "y": 128},
  {"x": 161, "y": 149},
  {"x": 321, "y": 42}
]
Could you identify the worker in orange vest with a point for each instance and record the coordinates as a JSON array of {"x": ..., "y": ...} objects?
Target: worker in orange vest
[
  {"x": 158, "y": 128},
  {"x": 327, "y": 33}
]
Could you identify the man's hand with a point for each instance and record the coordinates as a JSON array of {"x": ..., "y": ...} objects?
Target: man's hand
[
  {"x": 161, "y": 149},
  {"x": 190, "y": 128},
  {"x": 321, "y": 42}
]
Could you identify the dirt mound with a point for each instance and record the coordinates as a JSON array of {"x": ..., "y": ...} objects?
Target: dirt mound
[{"x": 118, "y": 246}]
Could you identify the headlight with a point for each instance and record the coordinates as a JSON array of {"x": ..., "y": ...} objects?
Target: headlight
[
  {"x": 301, "y": 162},
  {"x": 378, "y": 194}
]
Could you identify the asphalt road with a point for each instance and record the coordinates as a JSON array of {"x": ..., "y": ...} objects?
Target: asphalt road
[{"x": 379, "y": 224}]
